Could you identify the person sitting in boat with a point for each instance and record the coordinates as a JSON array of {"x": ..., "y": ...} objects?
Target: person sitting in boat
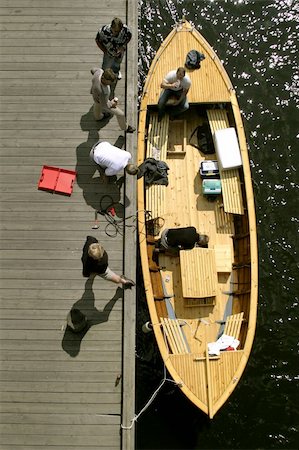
[
  {"x": 111, "y": 160},
  {"x": 176, "y": 85},
  {"x": 185, "y": 238}
]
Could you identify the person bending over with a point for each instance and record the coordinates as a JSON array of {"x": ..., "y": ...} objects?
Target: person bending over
[
  {"x": 184, "y": 238},
  {"x": 111, "y": 160},
  {"x": 95, "y": 262}
]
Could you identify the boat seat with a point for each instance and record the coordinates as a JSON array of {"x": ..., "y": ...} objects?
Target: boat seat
[
  {"x": 223, "y": 256},
  {"x": 230, "y": 179},
  {"x": 198, "y": 272},
  {"x": 175, "y": 336},
  {"x": 157, "y": 144},
  {"x": 224, "y": 221},
  {"x": 233, "y": 325}
]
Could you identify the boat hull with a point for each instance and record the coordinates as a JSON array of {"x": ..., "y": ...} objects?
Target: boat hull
[{"x": 190, "y": 295}]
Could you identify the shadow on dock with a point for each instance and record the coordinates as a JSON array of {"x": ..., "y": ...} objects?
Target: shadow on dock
[{"x": 71, "y": 341}]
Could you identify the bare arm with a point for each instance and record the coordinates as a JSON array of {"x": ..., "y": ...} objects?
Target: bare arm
[{"x": 166, "y": 85}]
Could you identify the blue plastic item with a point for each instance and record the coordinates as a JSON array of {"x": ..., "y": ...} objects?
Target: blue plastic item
[{"x": 211, "y": 187}]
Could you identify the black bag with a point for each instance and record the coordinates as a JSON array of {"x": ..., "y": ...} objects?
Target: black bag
[
  {"x": 194, "y": 59},
  {"x": 202, "y": 139}
]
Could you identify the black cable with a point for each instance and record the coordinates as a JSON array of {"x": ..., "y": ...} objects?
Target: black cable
[{"x": 116, "y": 223}]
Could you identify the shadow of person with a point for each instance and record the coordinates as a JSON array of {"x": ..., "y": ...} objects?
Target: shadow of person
[
  {"x": 88, "y": 179},
  {"x": 71, "y": 341}
]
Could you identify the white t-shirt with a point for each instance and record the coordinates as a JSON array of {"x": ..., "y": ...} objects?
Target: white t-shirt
[
  {"x": 111, "y": 158},
  {"x": 171, "y": 77}
]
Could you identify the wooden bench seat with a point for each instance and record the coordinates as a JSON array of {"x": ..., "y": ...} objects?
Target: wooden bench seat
[
  {"x": 230, "y": 180},
  {"x": 233, "y": 325},
  {"x": 198, "y": 272},
  {"x": 157, "y": 144},
  {"x": 223, "y": 256},
  {"x": 175, "y": 336}
]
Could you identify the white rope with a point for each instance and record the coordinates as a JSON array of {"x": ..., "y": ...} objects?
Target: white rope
[{"x": 152, "y": 398}]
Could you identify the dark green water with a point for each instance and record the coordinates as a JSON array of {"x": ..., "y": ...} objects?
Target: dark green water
[{"x": 257, "y": 41}]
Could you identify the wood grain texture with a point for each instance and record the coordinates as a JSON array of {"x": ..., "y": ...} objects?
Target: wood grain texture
[{"x": 58, "y": 389}]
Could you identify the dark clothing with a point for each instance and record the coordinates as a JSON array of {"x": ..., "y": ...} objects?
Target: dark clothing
[
  {"x": 90, "y": 265},
  {"x": 154, "y": 172},
  {"x": 114, "y": 44},
  {"x": 183, "y": 238}
]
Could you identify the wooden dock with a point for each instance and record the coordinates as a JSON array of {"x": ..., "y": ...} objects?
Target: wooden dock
[{"x": 59, "y": 389}]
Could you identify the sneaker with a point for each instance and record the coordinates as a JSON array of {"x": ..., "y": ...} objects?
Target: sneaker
[
  {"x": 130, "y": 129},
  {"x": 119, "y": 76}
]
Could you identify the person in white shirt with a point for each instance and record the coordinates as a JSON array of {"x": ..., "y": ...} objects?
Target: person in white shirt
[
  {"x": 176, "y": 85},
  {"x": 100, "y": 91},
  {"x": 112, "y": 159}
]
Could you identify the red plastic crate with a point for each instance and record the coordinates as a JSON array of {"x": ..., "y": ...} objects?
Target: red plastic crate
[{"x": 57, "y": 180}]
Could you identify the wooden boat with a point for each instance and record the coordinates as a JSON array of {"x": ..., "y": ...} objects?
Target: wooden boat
[{"x": 198, "y": 294}]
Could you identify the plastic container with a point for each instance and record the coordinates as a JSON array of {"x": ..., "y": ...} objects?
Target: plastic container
[
  {"x": 211, "y": 186},
  {"x": 209, "y": 169}
]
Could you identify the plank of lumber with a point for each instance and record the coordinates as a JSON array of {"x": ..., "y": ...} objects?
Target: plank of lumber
[
  {"x": 233, "y": 325},
  {"x": 157, "y": 143},
  {"x": 174, "y": 335},
  {"x": 198, "y": 271},
  {"x": 230, "y": 179}
]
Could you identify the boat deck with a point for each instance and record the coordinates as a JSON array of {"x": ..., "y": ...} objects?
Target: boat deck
[
  {"x": 182, "y": 204},
  {"x": 60, "y": 390}
]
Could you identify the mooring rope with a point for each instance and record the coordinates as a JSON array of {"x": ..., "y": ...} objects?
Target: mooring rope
[{"x": 152, "y": 398}]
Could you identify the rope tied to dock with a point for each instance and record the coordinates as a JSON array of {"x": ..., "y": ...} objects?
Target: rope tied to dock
[{"x": 151, "y": 399}]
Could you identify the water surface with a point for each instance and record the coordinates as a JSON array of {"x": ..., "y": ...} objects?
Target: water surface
[{"x": 258, "y": 43}]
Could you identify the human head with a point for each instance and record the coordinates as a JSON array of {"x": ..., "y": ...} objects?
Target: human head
[
  {"x": 131, "y": 169},
  {"x": 116, "y": 26},
  {"x": 96, "y": 251},
  {"x": 108, "y": 77},
  {"x": 203, "y": 240},
  {"x": 180, "y": 73}
]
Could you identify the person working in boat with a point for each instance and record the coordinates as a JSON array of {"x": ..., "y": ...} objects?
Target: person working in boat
[
  {"x": 176, "y": 85},
  {"x": 112, "y": 40},
  {"x": 111, "y": 160},
  {"x": 100, "y": 91},
  {"x": 184, "y": 238}
]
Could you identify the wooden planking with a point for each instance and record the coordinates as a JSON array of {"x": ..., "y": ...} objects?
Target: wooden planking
[
  {"x": 175, "y": 335},
  {"x": 195, "y": 375},
  {"x": 208, "y": 84},
  {"x": 233, "y": 325},
  {"x": 64, "y": 447},
  {"x": 230, "y": 179},
  {"x": 157, "y": 145},
  {"x": 223, "y": 256},
  {"x": 198, "y": 270},
  {"x": 186, "y": 206},
  {"x": 64, "y": 388},
  {"x": 59, "y": 419}
]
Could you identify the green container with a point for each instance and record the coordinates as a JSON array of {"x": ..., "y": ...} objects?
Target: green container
[{"x": 211, "y": 187}]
